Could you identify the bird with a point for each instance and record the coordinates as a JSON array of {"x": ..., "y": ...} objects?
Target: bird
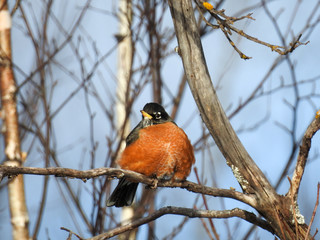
[{"x": 156, "y": 148}]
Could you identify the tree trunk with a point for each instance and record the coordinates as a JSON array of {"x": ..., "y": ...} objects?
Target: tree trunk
[
  {"x": 276, "y": 209},
  {"x": 18, "y": 209},
  {"x": 124, "y": 75}
]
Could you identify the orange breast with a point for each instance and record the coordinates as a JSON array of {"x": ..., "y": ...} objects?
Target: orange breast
[{"x": 162, "y": 151}]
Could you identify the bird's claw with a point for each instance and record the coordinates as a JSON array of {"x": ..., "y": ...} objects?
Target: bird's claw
[{"x": 154, "y": 184}]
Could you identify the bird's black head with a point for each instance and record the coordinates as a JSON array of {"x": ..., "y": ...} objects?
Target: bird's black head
[{"x": 154, "y": 113}]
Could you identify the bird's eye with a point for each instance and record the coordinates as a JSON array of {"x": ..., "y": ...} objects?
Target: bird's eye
[{"x": 157, "y": 115}]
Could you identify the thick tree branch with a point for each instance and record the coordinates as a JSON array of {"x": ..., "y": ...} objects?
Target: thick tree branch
[
  {"x": 192, "y": 213},
  {"x": 248, "y": 174},
  {"x": 275, "y": 208},
  {"x": 132, "y": 176},
  {"x": 302, "y": 158}
]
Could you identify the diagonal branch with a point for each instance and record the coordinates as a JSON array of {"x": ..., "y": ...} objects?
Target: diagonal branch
[
  {"x": 302, "y": 158},
  {"x": 191, "y": 213},
  {"x": 273, "y": 207},
  {"x": 248, "y": 174}
]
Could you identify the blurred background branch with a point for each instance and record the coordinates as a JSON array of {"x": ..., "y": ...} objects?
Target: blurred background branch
[{"x": 67, "y": 63}]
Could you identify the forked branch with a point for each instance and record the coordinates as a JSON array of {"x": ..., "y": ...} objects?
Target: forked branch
[{"x": 225, "y": 23}]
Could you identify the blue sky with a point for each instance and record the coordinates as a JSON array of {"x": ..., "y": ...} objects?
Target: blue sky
[{"x": 268, "y": 144}]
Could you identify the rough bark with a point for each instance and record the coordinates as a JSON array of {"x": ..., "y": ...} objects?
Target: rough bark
[{"x": 274, "y": 208}]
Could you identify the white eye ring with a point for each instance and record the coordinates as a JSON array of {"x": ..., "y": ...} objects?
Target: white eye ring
[{"x": 157, "y": 115}]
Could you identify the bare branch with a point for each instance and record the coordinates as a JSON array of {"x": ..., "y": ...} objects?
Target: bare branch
[
  {"x": 132, "y": 176},
  {"x": 225, "y": 23},
  {"x": 273, "y": 207},
  {"x": 191, "y": 213},
  {"x": 206, "y": 206},
  {"x": 71, "y": 233},
  {"x": 302, "y": 157},
  {"x": 314, "y": 211}
]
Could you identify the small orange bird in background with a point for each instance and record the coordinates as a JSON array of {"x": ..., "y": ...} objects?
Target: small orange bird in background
[{"x": 157, "y": 148}]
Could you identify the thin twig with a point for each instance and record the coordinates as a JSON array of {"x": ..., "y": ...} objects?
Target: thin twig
[
  {"x": 204, "y": 224},
  {"x": 206, "y": 206},
  {"x": 313, "y": 213},
  {"x": 280, "y": 225},
  {"x": 314, "y": 235},
  {"x": 71, "y": 233},
  {"x": 225, "y": 23}
]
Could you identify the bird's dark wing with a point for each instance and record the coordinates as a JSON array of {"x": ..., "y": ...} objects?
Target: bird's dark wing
[{"x": 134, "y": 134}]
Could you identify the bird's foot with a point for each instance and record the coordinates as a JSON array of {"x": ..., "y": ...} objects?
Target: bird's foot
[{"x": 154, "y": 184}]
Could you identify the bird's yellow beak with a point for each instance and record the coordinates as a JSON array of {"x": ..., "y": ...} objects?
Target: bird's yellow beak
[{"x": 146, "y": 115}]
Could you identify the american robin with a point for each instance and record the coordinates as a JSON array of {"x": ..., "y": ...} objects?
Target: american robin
[{"x": 157, "y": 148}]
